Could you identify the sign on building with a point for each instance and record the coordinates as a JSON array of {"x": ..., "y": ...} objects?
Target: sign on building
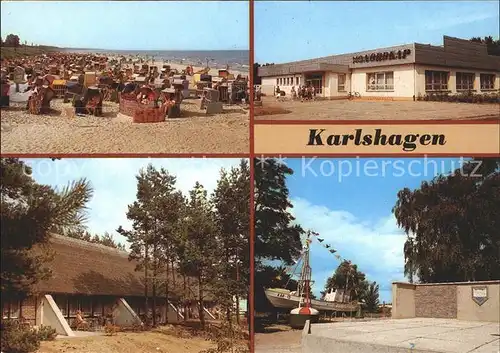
[
  {"x": 480, "y": 295},
  {"x": 382, "y": 56}
]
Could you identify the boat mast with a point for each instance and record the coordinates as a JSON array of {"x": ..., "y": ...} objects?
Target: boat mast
[{"x": 305, "y": 276}]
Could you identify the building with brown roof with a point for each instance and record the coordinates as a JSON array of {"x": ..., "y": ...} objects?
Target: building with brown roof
[
  {"x": 399, "y": 72},
  {"x": 102, "y": 283}
]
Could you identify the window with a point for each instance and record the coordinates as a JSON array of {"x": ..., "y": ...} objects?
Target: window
[
  {"x": 380, "y": 81},
  {"x": 297, "y": 80},
  {"x": 465, "y": 81},
  {"x": 11, "y": 309},
  {"x": 277, "y": 81},
  {"x": 436, "y": 80},
  {"x": 487, "y": 81},
  {"x": 341, "y": 85},
  {"x": 288, "y": 81}
]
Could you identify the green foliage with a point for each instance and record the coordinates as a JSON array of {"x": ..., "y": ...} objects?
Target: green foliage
[
  {"x": 452, "y": 225},
  {"x": 200, "y": 237},
  {"x": 371, "y": 297},
  {"x": 492, "y": 45},
  {"x": 231, "y": 200},
  {"x": 348, "y": 278},
  {"x": 46, "y": 333},
  {"x": 18, "y": 338},
  {"x": 157, "y": 225},
  {"x": 12, "y": 40},
  {"x": 276, "y": 235},
  {"x": 30, "y": 212},
  {"x": 462, "y": 97},
  {"x": 106, "y": 239}
]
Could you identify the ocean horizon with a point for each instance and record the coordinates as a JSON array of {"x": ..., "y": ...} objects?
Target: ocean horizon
[{"x": 215, "y": 58}]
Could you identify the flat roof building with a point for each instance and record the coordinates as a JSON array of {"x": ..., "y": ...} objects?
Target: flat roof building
[{"x": 399, "y": 72}]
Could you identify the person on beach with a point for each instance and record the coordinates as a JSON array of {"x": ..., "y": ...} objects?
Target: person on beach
[
  {"x": 146, "y": 95},
  {"x": 293, "y": 93}
]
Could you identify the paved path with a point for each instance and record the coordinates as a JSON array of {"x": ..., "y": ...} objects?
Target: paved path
[
  {"x": 379, "y": 110},
  {"x": 424, "y": 335},
  {"x": 278, "y": 342}
]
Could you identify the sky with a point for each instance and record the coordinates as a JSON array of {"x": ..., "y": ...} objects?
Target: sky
[
  {"x": 115, "y": 185},
  {"x": 130, "y": 25},
  {"x": 298, "y": 30},
  {"x": 349, "y": 203}
]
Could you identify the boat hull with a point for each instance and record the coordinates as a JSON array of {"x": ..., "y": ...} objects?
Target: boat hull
[{"x": 289, "y": 301}]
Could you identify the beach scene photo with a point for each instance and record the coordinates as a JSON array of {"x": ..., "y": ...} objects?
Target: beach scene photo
[
  {"x": 404, "y": 60},
  {"x": 148, "y": 77},
  {"x": 376, "y": 255}
]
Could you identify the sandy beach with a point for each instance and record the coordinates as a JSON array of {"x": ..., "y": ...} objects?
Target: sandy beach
[{"x": 61, "y": 132}]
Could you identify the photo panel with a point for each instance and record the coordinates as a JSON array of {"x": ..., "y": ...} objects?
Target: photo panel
[
  {"x": 357, "y": 78},
  {"x": 152, "y": 77},
  {"x": 116, "y": 254},
  {"x": 349, "y": 249},
  {"x": 405, "y": 60}
]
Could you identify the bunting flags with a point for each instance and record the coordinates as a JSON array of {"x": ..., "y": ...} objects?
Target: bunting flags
[
  {"x": 327, "y": 246},
  {"x": 320, "y": 240}
]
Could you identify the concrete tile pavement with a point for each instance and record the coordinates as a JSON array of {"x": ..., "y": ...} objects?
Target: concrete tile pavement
[{"x": 424, "y": 335}]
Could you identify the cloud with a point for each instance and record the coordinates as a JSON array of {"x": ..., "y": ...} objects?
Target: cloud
[
  {"x": 375, "y": 246},
  {"x": 438, "y": 21},
  {"x": 114, "y": 182}
]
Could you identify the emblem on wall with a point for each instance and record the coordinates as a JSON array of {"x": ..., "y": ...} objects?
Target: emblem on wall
[{"x": 480, "y": 295}]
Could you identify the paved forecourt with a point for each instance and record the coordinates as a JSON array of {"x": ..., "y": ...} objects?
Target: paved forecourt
[{"x": 403, "y": 335}]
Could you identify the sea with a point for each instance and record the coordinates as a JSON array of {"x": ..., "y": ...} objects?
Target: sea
[{"x": 236, "y": 59}]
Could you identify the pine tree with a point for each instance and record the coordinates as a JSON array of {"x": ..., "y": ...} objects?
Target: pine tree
[{"x": 30, "y": 212}]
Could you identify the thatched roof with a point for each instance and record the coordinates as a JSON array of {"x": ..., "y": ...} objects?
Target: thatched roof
[{"x": 80, "y": 267}]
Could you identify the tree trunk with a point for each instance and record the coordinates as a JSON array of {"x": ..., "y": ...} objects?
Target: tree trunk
[
  {"x": 237, "y": 297},
  {"x": 185, "y": 299},
  {"x": 155, "y": 265},
  {"x": 167, "y": 305},
  {"x": 200, "y": 299},
  {"x": 146, "y": 282}
]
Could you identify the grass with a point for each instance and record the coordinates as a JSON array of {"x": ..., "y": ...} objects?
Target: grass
[{"x": 13, "y": 53}]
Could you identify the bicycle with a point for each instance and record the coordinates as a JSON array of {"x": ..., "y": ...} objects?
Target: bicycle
[{"x": 353, "y": 95}]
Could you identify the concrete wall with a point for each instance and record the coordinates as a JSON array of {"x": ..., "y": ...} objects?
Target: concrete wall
[
  {"x": 331, "y": 85},
  {"x": 403, "y": 300},
  {"x": 469, "y": 310},
  {"x": 123, "y": 314},
  {"x": 48, "y": 314},
  {"x": 268, "y": 85},
  {"x": 445, "y": 300},
  {"x": 452, "y": 81},
  {"x": 404, "y": 82}
]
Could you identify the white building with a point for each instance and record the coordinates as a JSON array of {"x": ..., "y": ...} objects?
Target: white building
[{"x": 401, "y": 72}]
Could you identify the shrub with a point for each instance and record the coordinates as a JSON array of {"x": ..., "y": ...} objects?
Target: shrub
[
  {"x": 16, "y": 338},
  {"x": 46, "y": 333},
  {"x": 111, "y": 329}
]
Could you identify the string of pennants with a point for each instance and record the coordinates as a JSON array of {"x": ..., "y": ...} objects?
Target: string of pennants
[{"x": 310, "y": 240}]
